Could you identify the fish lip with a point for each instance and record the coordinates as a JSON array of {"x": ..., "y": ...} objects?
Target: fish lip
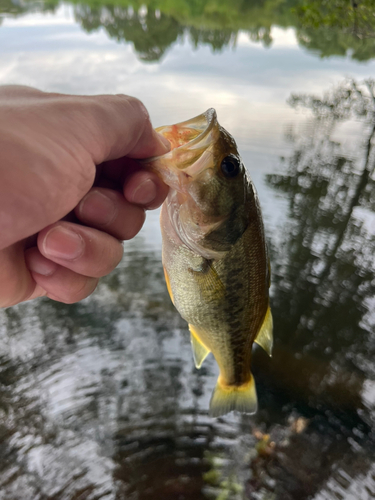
[
  {"x": 211, "y": 120},
  {"x": 179, "y": 166},
  {"x": 208, "y": 121}
]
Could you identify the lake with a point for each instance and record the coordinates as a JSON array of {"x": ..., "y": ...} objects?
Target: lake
[{"x": 101, "y": 399}]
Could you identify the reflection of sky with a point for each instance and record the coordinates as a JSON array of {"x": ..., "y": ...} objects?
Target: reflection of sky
[{"x": 248, "y": 85}]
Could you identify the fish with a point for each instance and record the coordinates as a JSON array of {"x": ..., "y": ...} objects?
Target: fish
[{"x": 214, "y": 254}]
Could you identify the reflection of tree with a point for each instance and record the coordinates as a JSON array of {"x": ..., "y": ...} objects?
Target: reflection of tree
[
  {"x": 96, "y": 393},
  {"x": 151, "y": 32},
  {"x": 354, "y": 17},
  {"x": 337, "y": 27},
  {"x": 217, "y": 39},
  {"x": 105, "y": 400},
  {"x": 329, "y": 28},
  {"x": 329, "y": 42},
  {"x": 19, "y": 7},
  {"x": 14, "y": 8},
  {"x": 324, "y": 273}
]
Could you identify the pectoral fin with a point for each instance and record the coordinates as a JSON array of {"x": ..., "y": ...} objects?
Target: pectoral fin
[
  {"x": 200, "y": 351},
  {"x": 208, "y": 279},
  {"x": 168, "y": 284},
  {"x": 265, "y": 337}
]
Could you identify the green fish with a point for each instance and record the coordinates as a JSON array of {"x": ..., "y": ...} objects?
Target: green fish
[{"x": 215, "y": 255}]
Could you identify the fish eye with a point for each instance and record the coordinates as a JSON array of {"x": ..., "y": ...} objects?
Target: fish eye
[{"x": 230, "y": 166}]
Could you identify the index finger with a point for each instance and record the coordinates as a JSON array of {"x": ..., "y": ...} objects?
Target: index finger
[{"x": 114, "y": 126}]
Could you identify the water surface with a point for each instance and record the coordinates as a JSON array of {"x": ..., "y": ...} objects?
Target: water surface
[{"x": 101, "y": 399}]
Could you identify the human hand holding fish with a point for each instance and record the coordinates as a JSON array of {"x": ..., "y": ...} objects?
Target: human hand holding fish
[
  {"x": 69, "y": 189},
  {"x": 59, "y": 234}
]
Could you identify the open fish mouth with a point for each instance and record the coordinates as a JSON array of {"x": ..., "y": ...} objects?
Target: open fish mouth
[
  {"x": 192, "y": 143},
  {"x": 191, "y": 135}
]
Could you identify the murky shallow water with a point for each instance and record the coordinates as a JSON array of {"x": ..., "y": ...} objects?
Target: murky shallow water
[{"x": 101, "y": 399}]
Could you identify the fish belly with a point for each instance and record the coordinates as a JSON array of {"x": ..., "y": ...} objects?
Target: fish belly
[{"x": 221, "y": 299}]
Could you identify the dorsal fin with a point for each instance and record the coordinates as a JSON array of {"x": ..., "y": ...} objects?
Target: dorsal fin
[{"x": 265, "y": 337}]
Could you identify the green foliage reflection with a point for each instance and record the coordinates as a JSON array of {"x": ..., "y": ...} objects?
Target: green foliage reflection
[
  {"x": 337, "y": 28},
  {"x": 324, "y": 274}
]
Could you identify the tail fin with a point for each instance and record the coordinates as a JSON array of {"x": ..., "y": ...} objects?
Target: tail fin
[{"x": 226, "y": 398}]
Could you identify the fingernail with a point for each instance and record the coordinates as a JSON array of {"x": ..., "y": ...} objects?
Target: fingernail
[
  {"x": 62, "y": 243},
  {"x": 164, "y": 141},
  {"x": 145, "y": 193},
  {"x": 41, "y": 265},
  {"x": 98, "y": 208}
]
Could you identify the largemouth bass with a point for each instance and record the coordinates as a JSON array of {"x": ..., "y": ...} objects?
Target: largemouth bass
[{"x": 214, "y": 254}]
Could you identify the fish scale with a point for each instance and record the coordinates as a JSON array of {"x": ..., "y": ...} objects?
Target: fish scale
[{"x": 214, "y": 254}]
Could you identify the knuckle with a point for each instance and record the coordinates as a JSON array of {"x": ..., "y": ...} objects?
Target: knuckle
[
  {"x": 84, "y": 176},
  {"x": 137, "y": 109},
  {"x": 116, "y": 112}
]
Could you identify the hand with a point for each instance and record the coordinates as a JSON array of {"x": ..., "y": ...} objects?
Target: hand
[{"x": 70, "y": 189}]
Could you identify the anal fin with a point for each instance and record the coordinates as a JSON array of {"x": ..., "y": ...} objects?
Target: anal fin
[
  {"x": 200, "y": 351},
  {"x": 265, "y": 336}
]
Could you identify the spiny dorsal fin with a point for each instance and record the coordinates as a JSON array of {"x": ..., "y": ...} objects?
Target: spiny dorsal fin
[
  {"x": 242, "y": 398},
  {"x": 265, "y": 337},
  {"x": 200, "y": 351}
]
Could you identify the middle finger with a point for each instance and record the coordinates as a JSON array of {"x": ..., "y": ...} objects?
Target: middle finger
[
  {"x": 109, "y": 211},
  {"x": 84, "y": 250}
]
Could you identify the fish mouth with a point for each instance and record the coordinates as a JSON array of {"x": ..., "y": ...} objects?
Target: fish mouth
[
  {"x": 191, "y": 135},
  {"x": 192, "y": 143}
]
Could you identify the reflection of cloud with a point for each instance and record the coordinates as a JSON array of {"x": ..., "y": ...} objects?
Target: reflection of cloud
[
  {"x": 71, "y": 470},
  {"x": 280, "y": 38},
  {"x": 283, "y": 37},
  {"x": 368, "y": 393},
  {"x": 248, "y": 86},
  {"x": 366, "y": 218},
  {"x": 343, "y": 485},
  {"x": 62, "y": 16},
  {"x": 249, "y": 97},
  {"x": 368, "y": 320}
]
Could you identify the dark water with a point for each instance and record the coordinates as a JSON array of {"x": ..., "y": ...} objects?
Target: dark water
[{"x": 101, "y": 399}]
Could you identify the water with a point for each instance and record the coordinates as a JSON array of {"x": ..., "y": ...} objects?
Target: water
[{"x": 101, "y": 399}]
